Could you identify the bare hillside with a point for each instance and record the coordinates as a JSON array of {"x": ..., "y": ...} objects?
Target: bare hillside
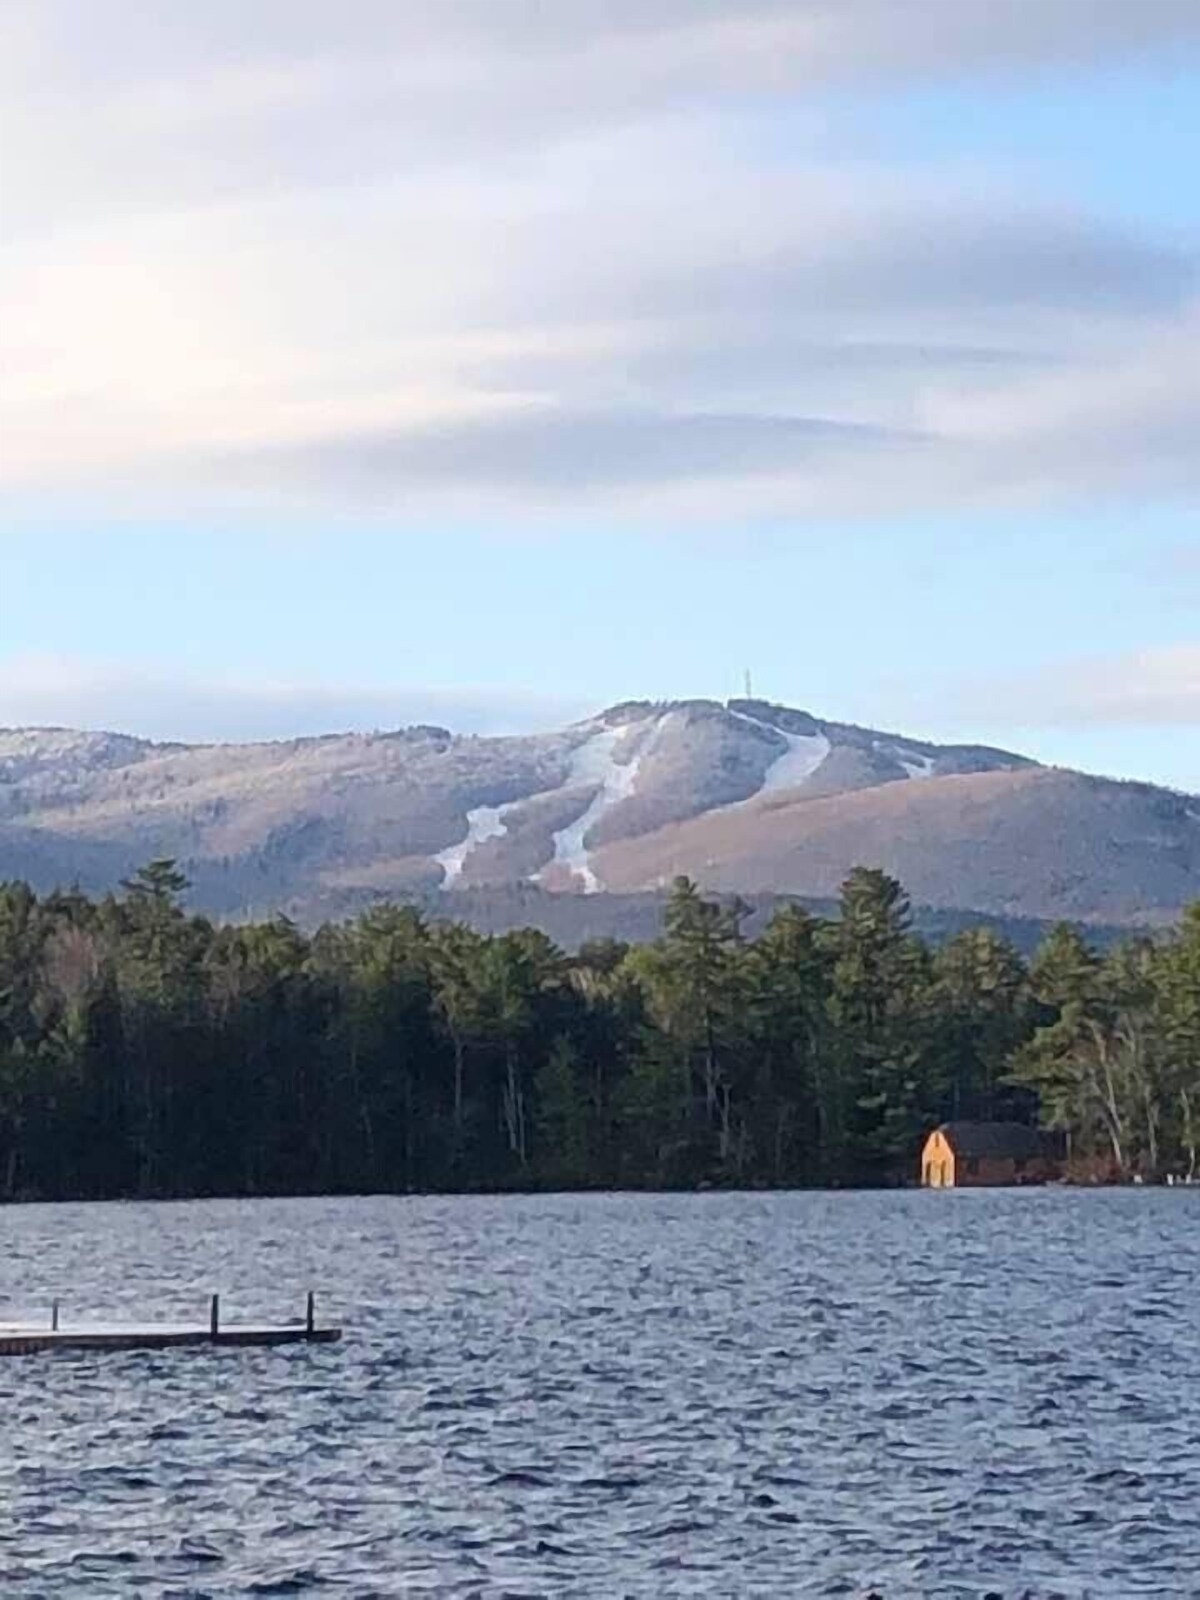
[
  {"x": 747, "y": 796},
  {"x": 1040, "y": 843}
]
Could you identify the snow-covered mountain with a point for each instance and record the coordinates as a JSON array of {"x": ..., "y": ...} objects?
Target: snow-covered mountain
[{"x": 748, "y": 796}]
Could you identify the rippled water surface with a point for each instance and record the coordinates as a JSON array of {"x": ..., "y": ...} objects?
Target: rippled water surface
[{"x": 911, "y": 1394}]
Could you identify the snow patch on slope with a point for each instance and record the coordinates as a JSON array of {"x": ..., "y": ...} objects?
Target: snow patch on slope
[
  {"x": 804, "y": 754},
  {"x": 917, "y": 766},
  {"x": 483, "y": 823},
  {"x": 914, "y": 763},
  {"x": 595, "y": 763}
]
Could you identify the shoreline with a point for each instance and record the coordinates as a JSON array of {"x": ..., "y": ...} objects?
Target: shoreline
[{"x": 26, "y": 1202}]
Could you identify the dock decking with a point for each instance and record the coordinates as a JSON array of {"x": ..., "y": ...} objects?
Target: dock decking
[{"x": 23, "y": 1339}]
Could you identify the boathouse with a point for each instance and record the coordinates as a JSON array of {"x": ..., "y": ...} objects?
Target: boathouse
[{"x": 962, "y": 1155}]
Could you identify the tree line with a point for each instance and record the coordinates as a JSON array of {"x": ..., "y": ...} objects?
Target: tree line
[{"x": 148, "y": 1052}]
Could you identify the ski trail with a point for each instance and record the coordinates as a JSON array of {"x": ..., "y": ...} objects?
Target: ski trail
[
  {"x": 915, "y": 763},
  {"x": 804, "y": 754},
  {"x": 595, "y": 763},
  {"x": 483, "y": 823},
  {"x": 916, "y": 766}
]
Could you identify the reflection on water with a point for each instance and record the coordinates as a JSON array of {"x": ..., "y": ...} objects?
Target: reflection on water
[{"x": 915, "y": 1394}]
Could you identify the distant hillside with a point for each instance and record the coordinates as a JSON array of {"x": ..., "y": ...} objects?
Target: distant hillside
[
  {"x": 636, "y": 918},
  {"x": 596, "y": 819}
]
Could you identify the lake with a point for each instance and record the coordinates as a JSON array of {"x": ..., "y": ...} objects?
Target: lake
[{"x": 915, "y": 1394}]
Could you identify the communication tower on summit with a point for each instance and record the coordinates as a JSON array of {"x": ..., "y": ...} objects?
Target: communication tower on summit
[{"x": 749, "y": 685}]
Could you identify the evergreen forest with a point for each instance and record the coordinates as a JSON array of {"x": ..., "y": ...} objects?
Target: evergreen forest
[{"x": 145, "y": 1051}]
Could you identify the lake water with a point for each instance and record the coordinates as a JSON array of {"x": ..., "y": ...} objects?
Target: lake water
[{"x": 954, "y": 1394}]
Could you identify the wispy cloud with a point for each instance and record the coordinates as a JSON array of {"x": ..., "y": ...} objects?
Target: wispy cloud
[
  {"x": 61, "y": 691},
  {"x": 1154, "y": 687},
  {"x": 414, "y": 252}
]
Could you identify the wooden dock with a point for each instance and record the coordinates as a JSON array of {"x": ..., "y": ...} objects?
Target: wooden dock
[{"x": 24, "y": 1339}]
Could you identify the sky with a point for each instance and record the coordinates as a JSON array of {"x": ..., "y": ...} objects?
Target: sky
[{"x": 488, "y": 362}]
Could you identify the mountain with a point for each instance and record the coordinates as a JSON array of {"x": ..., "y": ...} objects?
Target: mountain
[{"x": 747, "y": 796}]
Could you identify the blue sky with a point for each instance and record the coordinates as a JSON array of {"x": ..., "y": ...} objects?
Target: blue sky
[{"x": 488, "y": 364}]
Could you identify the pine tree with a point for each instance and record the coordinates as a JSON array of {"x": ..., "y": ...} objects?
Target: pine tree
[{"x": 878, "y": 1006}]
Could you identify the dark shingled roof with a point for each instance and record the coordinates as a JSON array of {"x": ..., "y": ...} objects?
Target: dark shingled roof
[{"x": 997, "y": 1141}]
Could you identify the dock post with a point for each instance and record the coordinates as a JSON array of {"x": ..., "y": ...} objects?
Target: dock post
[
  {"x": 309, "y": 1316},
  {"x": 214, "y": 1321},
  {"x": 54, "y": 1317}
]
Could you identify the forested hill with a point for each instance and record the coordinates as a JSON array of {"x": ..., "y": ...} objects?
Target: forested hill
[
  {"x": 145, "y": 1051},
  {"x": 583, "y": 829}
]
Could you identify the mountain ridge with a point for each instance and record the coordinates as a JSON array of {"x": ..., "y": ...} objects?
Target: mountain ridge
[{"x": 745, "y": 795}]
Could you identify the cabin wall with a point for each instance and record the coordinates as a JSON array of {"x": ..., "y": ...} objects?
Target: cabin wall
[
  {"x": 996, "y": 1172},
  {"x": 942, "y": 1167},
  {"x": 937, "y": 1163},
  {"x": 986, "y": 1172}
]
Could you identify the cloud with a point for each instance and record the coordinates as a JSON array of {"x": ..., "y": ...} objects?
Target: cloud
[
  {"x": 62, "y": 691},
  {"x": 1155, "y": 687},
  {"x": 412, "y": 254},
  {"x": 179, "y": 64},
  {"x": 544, "y": 451}
]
